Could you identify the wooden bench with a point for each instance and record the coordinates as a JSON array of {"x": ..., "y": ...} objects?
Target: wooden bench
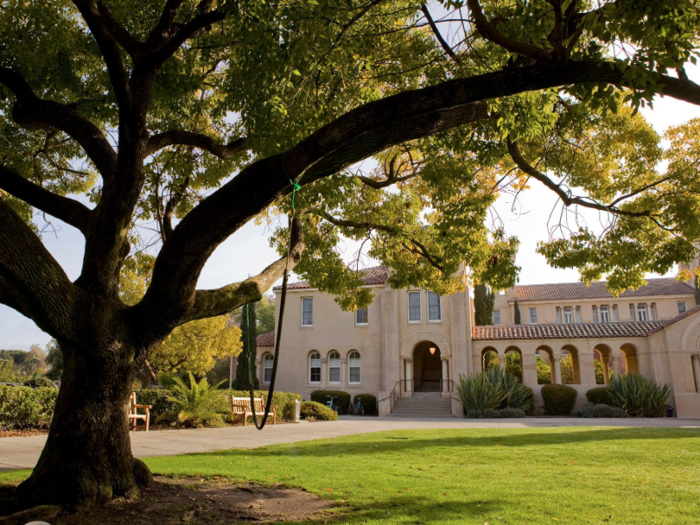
[
  {"x": 241, "y": 407},
  {"x": 134, "y": 415}
]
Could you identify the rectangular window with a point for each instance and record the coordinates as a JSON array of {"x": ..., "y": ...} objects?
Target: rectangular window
[
  {"x": 642, "y": 312},
  {"x": 361, "y": 316},
  {"x": 434, "y": 307},
  {"x": 652, "y": 312},
  {"x": 578, "y": 314},
  {"x": 414, "y": 307},
  {"x": 614, "y": 313},
  {"x": 595, "y": 314},
  {"x": 355, "y": 368},
  {"x": 496, "y": 317},
  {"x": 568, "y": 315},
  {"x": 307, "y": 311},
  {"x": 632, "y": 316},
  {"x": 315, "y": 368},
  {"x": 681, "y": 308},
  {"x": 558, "y": 315},
  {"x": 604, "y": 314},
  {"x": 533, "y": 315},
  {"x": 334, "y": 368}
]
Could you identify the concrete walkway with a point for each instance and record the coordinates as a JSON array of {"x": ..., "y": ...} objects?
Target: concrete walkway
[{"x": 23, "y": 452}]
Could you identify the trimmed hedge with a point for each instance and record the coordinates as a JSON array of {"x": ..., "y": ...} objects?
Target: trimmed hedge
[
  {"x": 317, "y": 411},
  {"x": 368, "y": 402},
  {"x": 490, "y": 413},
  {"x": 559, "y": 400},
  {"x": 161, "y": 408},
  {"x": 22, "y": 407},
  {"x": 600, "y": 410},
  {"x": 598, "y": 396},
  {"x": 321, "y": 396}
]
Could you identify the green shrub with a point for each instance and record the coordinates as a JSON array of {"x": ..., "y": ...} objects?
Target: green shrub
[
  {"x": 600, "y": 410},
  {"x": 199, "y": 404},
  {"x": 317, "y": 411},
  {"x": 559, "y": 400},
  {"x": 494, "y": 389},
  {"x": 598, "y": 396},
  {"x": 340, "y": 397},
  {"x": 284, "y": 401},
  {"x": 368, "y": 402},
  {"x": 39, "y": 382},
  {"x": 161, "y": 407},
  {"x": 22, "y": 407},
  {"x": 638, "y": 396},
  {"x": 490, "y": 413}
]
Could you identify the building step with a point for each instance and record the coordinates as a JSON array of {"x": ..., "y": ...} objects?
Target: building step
[{"x": 423, "y": 404}]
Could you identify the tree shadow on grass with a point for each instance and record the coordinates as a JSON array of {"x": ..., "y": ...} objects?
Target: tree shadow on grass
[{"x": 394, "y": 441}]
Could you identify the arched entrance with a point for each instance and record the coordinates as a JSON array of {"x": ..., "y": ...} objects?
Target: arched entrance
[{"x": 427, "y": 367}]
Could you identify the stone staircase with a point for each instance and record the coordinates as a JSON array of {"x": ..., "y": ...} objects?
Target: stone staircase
[{"x": 422, "y": 404}]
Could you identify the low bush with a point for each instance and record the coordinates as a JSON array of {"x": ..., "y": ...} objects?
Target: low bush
[
  {"x": 368, "y": 403},
  {"x": 638, "y": 396},
  {"x": 491, "y": 413},
  {"x": 600, "y": 410},
  {"x": 317, "y": 411},
  {"x": 494, "y": 389},
  {"x": 342, "y": 398},
  {"x": 598, "y": 396},
  {"x": 22, "y": 407},
  {"x": 39, "y": 382},
  {"x": 284, "y": 401},
  {"x": 199, "y": 404},
  {"x": 161, "y": 407},
  {"x": 559, "y": 400}
]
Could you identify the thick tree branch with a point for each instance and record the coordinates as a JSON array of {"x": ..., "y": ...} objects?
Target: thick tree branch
[
  {"x": 31, "y": 112},
  {"x": 197, "y": 140},
  {"x": 489, "y": 33},
  {"x": 64, "y": 208},
  {"x": 210, "y": 303},
  {"x": 563, "y": 195},
  {"x": 354, "y": 136},
  {"x": 438, "y": 35},
  {"x": 32, "y": 281},
  {"x": 109, "y": 49},
  {"x": 118, "y": 31},
  {"x": 164, "y": 28}
]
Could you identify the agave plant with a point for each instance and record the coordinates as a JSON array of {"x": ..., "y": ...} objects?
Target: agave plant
[
  {"x": 200, "y": 403},
  {"x": 638, "y": 396},
  {"x": 494, "y": 389}
]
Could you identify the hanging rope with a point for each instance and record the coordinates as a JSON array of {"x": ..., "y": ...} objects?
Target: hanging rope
[{"x": 278, "y": 333}]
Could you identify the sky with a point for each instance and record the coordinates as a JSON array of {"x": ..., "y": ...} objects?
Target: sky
[{"x": 247, "y": 251}]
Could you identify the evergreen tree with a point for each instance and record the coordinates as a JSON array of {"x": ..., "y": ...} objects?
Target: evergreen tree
[
  {"x": 484, "y": 299},
  {"x": 517, "y": 313},
  {"x": 248, "y": 334}
]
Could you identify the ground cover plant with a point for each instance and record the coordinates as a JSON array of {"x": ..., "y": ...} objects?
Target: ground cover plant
[
  {"x": 493, "y": 390},
  {"x": 475, "y": 476}
]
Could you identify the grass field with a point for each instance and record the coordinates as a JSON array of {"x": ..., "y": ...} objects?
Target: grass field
[{"x": 517, "y": 476}]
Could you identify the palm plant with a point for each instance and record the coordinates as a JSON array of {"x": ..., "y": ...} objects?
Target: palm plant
[
  {"x": 494, "y": 389},
  {"x": 200, "y": 403},
  {"x": 638, "y": 396}
]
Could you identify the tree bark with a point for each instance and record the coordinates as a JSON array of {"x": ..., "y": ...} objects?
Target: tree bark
[{"x": 87, "y": 458}]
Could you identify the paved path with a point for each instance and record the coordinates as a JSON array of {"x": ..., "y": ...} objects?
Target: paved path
[{"x": 23, "y": 452}]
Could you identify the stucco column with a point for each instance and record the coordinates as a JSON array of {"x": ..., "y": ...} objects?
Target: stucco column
[
  {"x": 408, "y": 386},
  {"x": 324, "y": 370},
  {"x": 556, "y": 373},
  {"x": 343, "y": 371},
  {"x": 586, "y": 363},
  {"x": 529, "y": 360},
  {"x": 502, "y": 359},
  {"x": 616, "y": 356},
  {"x": 445, "y": 377},
  {"x": 695, "y": 359}
]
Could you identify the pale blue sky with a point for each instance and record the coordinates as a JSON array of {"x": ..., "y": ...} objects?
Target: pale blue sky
[{"x": 247, "y": 252}]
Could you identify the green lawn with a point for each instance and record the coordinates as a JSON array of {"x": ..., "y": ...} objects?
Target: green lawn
[{"x": 567, "y": 475}]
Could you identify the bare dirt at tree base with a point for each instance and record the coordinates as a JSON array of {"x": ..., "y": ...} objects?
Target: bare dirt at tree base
[{"x": 187, "y": 501}]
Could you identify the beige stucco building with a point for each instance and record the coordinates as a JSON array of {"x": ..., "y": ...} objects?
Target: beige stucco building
[{"x": 411, "y": 345}]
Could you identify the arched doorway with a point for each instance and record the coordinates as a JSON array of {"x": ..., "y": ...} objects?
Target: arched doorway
[{"x": 427, "y": 367}]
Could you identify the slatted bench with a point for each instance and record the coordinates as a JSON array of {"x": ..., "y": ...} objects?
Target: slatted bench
[
  {"x": 241, "y": 407},
  {"x": 134, "y": 415}
]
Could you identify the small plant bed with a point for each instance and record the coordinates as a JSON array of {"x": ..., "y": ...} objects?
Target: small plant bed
[{"x": 172, "y": 501}]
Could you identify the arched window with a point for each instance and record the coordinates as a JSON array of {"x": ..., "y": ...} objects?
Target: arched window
[
  {"x": 315, "y": 367},
  {"x": 268, "y": 360},
  {"x": 334, "y": 367},
  {"x": 355, "y": 367}
]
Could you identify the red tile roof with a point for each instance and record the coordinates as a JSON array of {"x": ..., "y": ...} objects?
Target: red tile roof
[
  {"x": 565, "y": 331},
  {"x": 267, "y": 339},
  {"x": 680, "y": 317},
  {"x": 597, "y": 290},
  {"x": 370, "y": 276}
]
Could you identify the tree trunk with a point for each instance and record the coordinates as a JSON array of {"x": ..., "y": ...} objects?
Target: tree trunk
[{"x": 87, "y": 457}]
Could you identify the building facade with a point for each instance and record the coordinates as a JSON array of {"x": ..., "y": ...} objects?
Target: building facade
[{"x": 414, "y": 341}]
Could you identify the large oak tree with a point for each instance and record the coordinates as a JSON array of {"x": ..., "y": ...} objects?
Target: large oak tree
[{"x": 193, "y": 117}]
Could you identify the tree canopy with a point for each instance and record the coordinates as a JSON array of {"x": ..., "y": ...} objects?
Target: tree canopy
[{"x": 158, "y": 128}]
